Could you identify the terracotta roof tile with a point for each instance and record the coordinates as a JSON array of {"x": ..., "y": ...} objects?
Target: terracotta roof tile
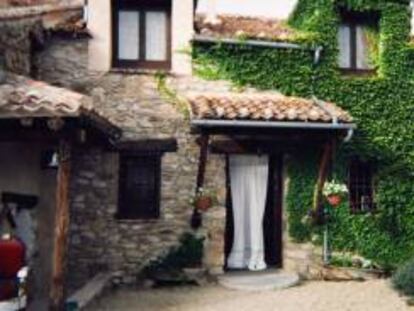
[
  {"x": 22, "y": 97},
  {"x": 264, "y": 107},
  {"x": 30, "y": 8},
  {"x": 230, "y": 26}
]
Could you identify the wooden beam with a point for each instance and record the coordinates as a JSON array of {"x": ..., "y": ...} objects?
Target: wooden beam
[
  {"x": 202, "y": 161},
  {"x": 196, "y": 219},
  {"x": 57, "y": 293},
  {"x": 322, "y": 174},
  {"x": 147, "y": 145}
]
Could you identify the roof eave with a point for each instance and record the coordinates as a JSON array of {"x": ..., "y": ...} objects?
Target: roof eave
[
  {"x": 103, "y": 125},
  {"x": 252, "y": 42},
  {"x": 211, "y": 123}
]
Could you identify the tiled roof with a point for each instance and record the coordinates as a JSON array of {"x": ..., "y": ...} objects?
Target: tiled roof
[
  {"x": 34, "y": 8},
  {"x": 263, "y": 107},
  {"x": 24, "y": 98},
  {"x": 229, "y": 26}
]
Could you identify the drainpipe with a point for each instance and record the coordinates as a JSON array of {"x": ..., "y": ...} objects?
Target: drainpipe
[
  {"x": 86, "y": 11},
  {"x": 349, "y": 135},
  {"x": 317, "y": 55}
]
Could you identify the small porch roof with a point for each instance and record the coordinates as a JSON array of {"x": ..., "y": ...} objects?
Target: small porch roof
[
  {"x": 265, "y": 110},
  {"x": 22, "y": 98}
]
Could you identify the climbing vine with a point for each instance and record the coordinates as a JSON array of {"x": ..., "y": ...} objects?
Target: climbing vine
[{"x": 382, "y": 105}]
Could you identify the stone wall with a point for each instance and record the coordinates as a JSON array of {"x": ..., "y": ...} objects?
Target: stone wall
[
  {"x": 16, "y": 44},
  {"x": 98, "y": 240},
  {"x": 23, "y": 31}
]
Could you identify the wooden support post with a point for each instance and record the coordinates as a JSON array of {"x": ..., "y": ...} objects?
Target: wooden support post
[
  {"x": 322, "y": 175},
  {"x": 196, "y": 219},
  {"x": 57, "y": 293}
]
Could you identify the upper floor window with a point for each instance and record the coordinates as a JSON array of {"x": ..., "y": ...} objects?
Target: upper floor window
[
  {"x": 142, "y": 34},
  {"x": 358, "y": 41},
  {"x": 361, "y": 186}
]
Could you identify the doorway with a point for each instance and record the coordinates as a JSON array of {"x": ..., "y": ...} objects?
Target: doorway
[{"x": 272, "y": 220}]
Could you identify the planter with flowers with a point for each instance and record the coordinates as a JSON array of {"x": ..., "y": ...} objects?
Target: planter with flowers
[
  {"x": 334, "y": 192},
  {"x": 204, "y": 199}
]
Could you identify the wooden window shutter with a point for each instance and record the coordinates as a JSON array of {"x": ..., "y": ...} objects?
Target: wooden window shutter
[{"x": 140, "y": 186}]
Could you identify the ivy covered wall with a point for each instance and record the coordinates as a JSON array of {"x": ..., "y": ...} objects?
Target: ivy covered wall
[{"x": 382, "y": 106}]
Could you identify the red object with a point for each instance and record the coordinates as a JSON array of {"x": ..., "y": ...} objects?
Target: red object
[
  {"x": 204, "y": 203},
  {"x": 334, "y": 200},
  {"x": 12, "y": 254}
]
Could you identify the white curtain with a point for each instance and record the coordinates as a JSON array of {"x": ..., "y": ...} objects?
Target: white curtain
[
  {"x": 344, "y": 35},
  {"x": 156, "y": 36},
  {"x": 249, "y": 178},
  {"x": 128, "y": 33},
  {"x": 363, "y": 60}
]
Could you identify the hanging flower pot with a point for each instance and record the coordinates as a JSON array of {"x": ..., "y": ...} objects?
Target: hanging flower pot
[
  {"x": 204, "y": 199},
  {"x": 203, "y": 203},
  {"x": 334, "y": 192},
  {"x": 334, "y": 200}
]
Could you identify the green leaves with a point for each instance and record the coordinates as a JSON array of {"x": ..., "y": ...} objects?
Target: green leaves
[{"x": 382, "y": 105}]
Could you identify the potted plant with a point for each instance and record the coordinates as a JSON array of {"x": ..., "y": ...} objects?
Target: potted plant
[
  {"x": 203, "y": 200},
  {"x": 334, "y": 192}
]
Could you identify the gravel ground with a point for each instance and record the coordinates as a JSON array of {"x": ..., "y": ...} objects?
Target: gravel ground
[{"x": 312, "y": 296}]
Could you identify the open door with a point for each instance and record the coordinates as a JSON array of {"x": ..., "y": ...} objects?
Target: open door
[{"x": 272, "y": 221}]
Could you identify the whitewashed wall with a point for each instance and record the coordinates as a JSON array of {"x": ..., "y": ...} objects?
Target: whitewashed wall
[
  {"x": 279, "y": 9},
  {"x": 100, "y": 26}
]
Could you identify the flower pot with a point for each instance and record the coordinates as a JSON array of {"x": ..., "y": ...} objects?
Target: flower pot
[
  {"x": 203, "y": 203},
  {"x": 334, "y": 200}
]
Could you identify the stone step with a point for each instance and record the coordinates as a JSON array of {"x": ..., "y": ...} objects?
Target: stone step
[{"x": 259, "y": 281}]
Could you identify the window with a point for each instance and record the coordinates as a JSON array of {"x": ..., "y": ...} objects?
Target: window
[
  {"x": 142, "y": 34},
  {"x": 358, "y": 41},
  {"x": 361, "y": 188},
  {"x": 139, "y": 186}
]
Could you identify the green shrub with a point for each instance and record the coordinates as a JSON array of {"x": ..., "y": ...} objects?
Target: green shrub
[
  {"x": 188, "y": 254},
  {"x": 403, "y": 279}
]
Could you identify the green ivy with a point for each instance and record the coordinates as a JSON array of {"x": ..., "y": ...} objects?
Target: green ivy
[{"x": 382, "y": 106}]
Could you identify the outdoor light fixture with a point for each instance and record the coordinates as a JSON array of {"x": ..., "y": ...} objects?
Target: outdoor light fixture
[{"x": 49, "y": 159}]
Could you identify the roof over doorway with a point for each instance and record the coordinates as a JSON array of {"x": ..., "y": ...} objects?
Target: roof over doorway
[
  {"x": 265, "y": 109},
  {"x": 23, "y": 98}
]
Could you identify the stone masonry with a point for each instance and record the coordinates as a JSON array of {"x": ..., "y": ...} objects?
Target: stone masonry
[{"x": 98, "y": 241}]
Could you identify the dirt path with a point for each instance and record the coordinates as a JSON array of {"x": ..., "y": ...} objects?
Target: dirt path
[{"x": 313, "y": 296}]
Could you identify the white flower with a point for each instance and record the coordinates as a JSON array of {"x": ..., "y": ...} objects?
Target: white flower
[{"x": 333, "y": 187}]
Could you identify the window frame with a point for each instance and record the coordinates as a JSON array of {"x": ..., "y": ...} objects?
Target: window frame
[
  {"x": 142, "y": 7},
  {"x": 354, "y": 19},
  {"x": 355, "y": 206},
  {"x": 155, "y": 211}
]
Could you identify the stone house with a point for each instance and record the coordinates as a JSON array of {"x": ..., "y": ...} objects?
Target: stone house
[{"x": 146, "y": 133}]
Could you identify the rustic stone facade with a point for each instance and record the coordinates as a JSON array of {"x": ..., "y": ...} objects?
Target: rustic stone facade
[
  {"x": 23, "y": 31},
  {"x": 17, "y": 41},
  {"x": 98, "y": 241}
]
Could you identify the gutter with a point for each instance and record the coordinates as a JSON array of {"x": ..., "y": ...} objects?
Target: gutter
[
  {"x": 277, "y": 124},
  {"x": 260, "y": 43}
]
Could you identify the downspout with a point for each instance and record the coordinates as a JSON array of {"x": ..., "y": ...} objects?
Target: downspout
[
  {"x": 316, "y": 60},
  {"x": 86, "y": 11}
]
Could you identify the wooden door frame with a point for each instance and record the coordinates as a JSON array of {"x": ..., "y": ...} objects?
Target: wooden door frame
[{"x": 274, "y": 208}]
